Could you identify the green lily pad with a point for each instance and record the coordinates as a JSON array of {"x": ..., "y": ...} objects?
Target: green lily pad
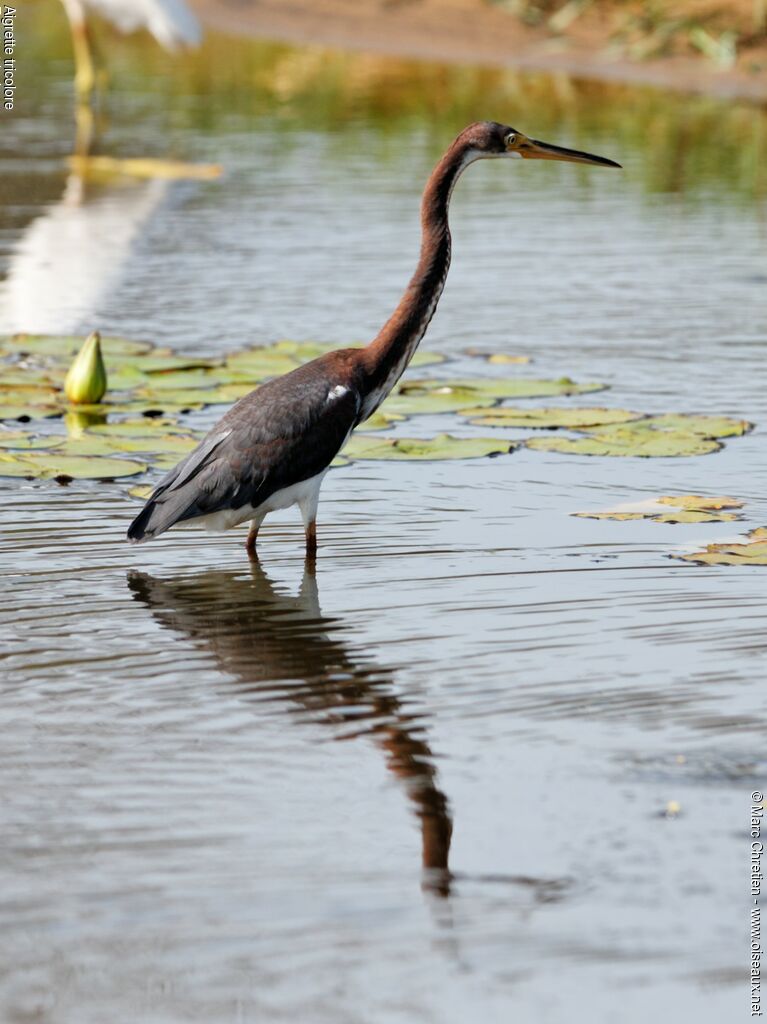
[
  {"x": 16, "y": 412},
  {"x": 704, "y": 426},
  {"x": 497, "y": 358},
  {"x": 20, "y": 440},
  {"x": 144, "y": 427},
  {"x": 304, "y": 352},
  {"x": 436, "y": 396},
  {"x": 173, "y": 444},
  {"x": 513, "y": 416},
  {"x": 181, "y": 380},
  {"x": 77, "y": 467},
  {"x": 672, "y": 435},
  {"x": 170, "y": 401},
  {"x": 752, "y": 552},
  {"x": 380, "y": 421},
  {"x": 650, "y": 444},
  {"x": 433, "y": 401},
  {"x": 67, "y": 345},
  {"x": 688, "y": 508},
  {"x": 152, "y": 363},
  {"x": 416, "y": 448}
]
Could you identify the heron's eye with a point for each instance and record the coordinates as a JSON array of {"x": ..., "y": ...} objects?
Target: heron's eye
[{"x": 511, "y": 138}]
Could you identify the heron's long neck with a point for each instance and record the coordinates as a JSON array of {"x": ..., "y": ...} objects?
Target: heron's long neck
[{"x": 386, "y": 357}]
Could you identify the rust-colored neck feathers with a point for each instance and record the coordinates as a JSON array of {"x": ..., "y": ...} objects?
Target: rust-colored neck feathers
[{"x": 386, "y": 357}]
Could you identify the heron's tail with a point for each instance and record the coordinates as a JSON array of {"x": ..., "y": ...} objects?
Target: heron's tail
[{"x": 141, "y": 527}]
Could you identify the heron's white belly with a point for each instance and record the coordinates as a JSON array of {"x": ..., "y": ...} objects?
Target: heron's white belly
[{"x": 304, "y": 493}]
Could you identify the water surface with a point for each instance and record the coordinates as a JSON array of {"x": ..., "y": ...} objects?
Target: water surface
[{"x": 426, "y": 781}]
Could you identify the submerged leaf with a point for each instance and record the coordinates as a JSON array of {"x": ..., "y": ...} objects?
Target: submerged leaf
[
  {"x": 444, "y": 446},
  {"x": 752, "y": 552}
]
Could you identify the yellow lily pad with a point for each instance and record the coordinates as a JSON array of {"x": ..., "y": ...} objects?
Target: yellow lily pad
[
  {"x": 53, "y": 464},
  {"x": 752, "y": 552},
  {"x": 141, "y": 491},
  {"x": 551, "y": 417},
  {"x": 700, "y": 502},
  {"x": 106, "y": 168},
  {"x": 444, "y": 446},
  {"x": 689, "y": 508}
]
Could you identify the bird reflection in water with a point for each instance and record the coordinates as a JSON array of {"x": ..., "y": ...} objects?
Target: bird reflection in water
[{"x": 282, "y": 647}]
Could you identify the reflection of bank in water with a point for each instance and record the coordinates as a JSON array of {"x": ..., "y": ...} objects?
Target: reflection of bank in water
[{"x": 281, "y": 648}]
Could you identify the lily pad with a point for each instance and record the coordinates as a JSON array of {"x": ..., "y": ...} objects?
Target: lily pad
[
  {"x": 20, "y": 440},
  {"x": 68, "y": 345},
  {"x": 173, "y": 444},
  {"x": 649, "y": 444},
  {"x": 51, "y": 465},
  {"x": 143, "y": 427},
  {"x": 688, "y": 508},
  {"x": 17, "y": 412},
  {"x": 141, "y": 491},
  {"x": 444, "y": 446},
  {"x": 704, "y": 426},
  {"x": 700, "y": 502},
  {"x": 497, "y": 358},
  {"x": 437, "y": 396},
  {"x": 551, "y": 417},
  {"x": 752, "y": 552},
  {"x": 380, "y": 421}
]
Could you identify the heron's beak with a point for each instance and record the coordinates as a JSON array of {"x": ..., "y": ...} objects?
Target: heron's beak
[{"x": 532, "y": 149}]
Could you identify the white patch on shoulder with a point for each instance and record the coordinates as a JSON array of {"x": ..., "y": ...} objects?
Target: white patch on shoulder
[{"x": 337, "y": 392}]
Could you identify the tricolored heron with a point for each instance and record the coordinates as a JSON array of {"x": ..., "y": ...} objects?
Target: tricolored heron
[
  {"x": 170, "y": 22},
  {"x": 273, "y": 448}
]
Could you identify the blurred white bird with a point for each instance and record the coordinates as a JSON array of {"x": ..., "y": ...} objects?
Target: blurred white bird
[{"x": 169, "y": 21}]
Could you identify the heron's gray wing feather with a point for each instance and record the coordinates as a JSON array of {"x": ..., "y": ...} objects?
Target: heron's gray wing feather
[
  {"x": 287, "y": 431},
  {"x": 192, "y": 464}
]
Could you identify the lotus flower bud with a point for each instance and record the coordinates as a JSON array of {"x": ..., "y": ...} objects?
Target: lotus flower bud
[{"x": 86, "y": 382}]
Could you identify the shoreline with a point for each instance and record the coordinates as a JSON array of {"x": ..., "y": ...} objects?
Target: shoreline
[{"x": 460, "y": 32}]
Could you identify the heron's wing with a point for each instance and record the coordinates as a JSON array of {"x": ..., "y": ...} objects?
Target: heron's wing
[{"x": 287, "y": 431}]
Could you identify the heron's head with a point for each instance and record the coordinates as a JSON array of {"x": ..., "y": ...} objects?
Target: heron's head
[{"x": 490, "y": 139}]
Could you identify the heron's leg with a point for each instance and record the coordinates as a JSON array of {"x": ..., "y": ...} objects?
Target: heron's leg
[
  {"x": 85, "y": 68},
  {"x": 250, "y": 543},
  {"x": 311, "y": 538},
  {"x": 309, "y": 515}
]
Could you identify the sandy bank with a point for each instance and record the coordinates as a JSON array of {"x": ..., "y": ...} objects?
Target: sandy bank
[{"x": 471, "y": 31}]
